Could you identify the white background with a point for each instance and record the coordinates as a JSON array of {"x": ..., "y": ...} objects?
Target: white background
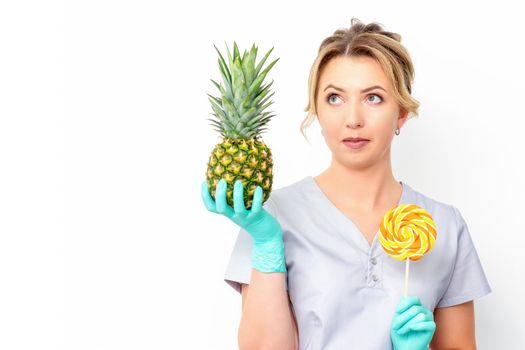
[{"x": 105, "y": 242}]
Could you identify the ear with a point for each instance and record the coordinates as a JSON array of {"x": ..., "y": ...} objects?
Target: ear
[{"x": 403, "y": 114}]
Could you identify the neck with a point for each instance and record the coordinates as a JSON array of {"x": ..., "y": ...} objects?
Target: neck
[{"x": 365, "y": 189}]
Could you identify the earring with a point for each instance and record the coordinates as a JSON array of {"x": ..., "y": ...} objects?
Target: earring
[{"x": 397, "y": 131}]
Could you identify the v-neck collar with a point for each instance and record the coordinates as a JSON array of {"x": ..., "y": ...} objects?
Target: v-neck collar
[{"x": 357, "y": 236}]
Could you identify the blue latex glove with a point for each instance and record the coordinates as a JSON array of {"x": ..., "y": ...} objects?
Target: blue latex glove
[
  {"x": 268, "y": 244},
  {"x": 413, "y": 325}
]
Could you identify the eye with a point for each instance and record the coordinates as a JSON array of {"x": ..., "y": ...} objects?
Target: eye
[
  {"x": 376, "y": 96},
  {"x": 328, "y": 98}
]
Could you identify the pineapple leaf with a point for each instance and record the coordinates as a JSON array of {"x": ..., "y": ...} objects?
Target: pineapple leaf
[
  {"x": 235, "y": 51},
  {"x": 224, "y": 94},
  {"x": 216, "y": 84},
  {"x": 223, "y": 65},
  {"x": 264, "y": 87},
  {"x": 230, "y": 60},
  {"x": 245, "y": 130},
  {"x": 265, "y": 120},
  {"x": 219, "y": 113},
  {"x": 254, "y": 50},
  {"x": 257, "y": 83},
  {"x": 259, "y": 66},
  {"x": 262, "y": 108},
  {"x": 259, "y": 98},
  {"x": 267, "y": 98},
  {"x": 260, "y": 119},
  {"x": 239, "y": 126},
  {"x": 217, "y": 100},
  {"x": 226, "y": 126},
  {"x": 225, "y": 72},
  {"x": 248, "y": 101},
  {"x": 231, "y": 114},
  {"x": 261, "y": 122},
  {"x": 226, "y": 77},
  {"x": 246, "y": 117},
  {"x": 215, "y": 124},
  {"x": 215, "y": 129},
  {"x": 239, "y": 83},
  {"x": 243, "y": 56},
  {"x": 248, "y": 67},
  {"x": 218, "y": 109}
]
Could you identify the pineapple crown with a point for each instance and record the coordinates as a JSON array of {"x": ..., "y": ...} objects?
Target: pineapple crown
[{"x": 239, "y": 109}]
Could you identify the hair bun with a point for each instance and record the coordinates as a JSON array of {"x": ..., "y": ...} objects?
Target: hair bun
[{"x": 374, "y": 27}]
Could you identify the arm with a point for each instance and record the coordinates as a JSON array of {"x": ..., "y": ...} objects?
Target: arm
[
  {"x": 267, "y": 320},
  {"x": 455, "y": 328}
]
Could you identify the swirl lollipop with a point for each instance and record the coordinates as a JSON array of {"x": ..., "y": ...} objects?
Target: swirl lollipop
[{"x": 406, "y": 233}]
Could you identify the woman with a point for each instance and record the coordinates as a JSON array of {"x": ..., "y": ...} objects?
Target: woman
[{"x": 309, "y": 265}]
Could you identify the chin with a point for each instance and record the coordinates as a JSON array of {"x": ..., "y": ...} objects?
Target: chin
[{"x": 357, "y": 162}]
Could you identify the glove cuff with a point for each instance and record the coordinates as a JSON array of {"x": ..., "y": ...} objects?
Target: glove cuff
[
  {"x": 394, "y": 347},
  {"x": 269, "y": 256}
]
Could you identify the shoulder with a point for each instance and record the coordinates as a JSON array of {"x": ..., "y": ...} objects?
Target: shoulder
[
  {"x": 447, "y": 216},
  {"x": 291, "y": 192},
  {"x": 286, "y": 200},
  {"x": 432, "y": 204}
]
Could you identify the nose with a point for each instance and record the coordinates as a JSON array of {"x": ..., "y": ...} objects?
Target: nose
[{"x": 353, "y": 115}]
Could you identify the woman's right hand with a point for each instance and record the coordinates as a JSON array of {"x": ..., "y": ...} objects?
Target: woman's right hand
[
  {"x": 412, "y": 326},
  {"x": 268, "y": 245}
]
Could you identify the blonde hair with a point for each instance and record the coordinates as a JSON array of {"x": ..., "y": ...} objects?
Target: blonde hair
[{"x": 365, "y": 40}]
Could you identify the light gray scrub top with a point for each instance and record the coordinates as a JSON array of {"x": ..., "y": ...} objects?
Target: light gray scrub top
[{"x": 343, "y": 290}]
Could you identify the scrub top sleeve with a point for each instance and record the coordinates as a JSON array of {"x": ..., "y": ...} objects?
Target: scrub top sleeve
[
  {"x": 468, "y": 281},
  {"x": 239, "y": 267}
]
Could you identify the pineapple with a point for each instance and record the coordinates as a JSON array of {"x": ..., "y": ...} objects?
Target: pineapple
[{"x": 241, "y": 154}]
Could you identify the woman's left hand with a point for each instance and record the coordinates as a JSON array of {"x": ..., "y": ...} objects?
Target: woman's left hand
[{"x": 413, "y": 325}]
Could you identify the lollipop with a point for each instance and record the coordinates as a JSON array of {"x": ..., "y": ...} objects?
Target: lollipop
[{"x": 406, "y": 233}]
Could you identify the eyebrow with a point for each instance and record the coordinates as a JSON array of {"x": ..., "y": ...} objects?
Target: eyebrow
[{"x": 364, "y": 90}]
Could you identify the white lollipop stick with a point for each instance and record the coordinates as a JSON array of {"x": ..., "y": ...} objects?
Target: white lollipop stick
[{"x": 406, "y": 277}]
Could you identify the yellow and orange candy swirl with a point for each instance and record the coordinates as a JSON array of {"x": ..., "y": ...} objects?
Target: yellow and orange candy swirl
[{"x": 407, "y": 231}]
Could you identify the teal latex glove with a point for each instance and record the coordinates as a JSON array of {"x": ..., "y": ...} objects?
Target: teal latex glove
[
  {"x": 268, "y": 244},
  {"x": 413, "y": 325}
]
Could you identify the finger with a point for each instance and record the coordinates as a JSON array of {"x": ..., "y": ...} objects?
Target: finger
[
  {"x": 429, "y": 326},
  {"x": 220, "y": 199},
  {"x": 414, "y": 320},
  {"x": 238, "y": 197},
  {"x": 407, "y": 302},
  {"x": 402, "y": 319},
  {"x": 206, "y": 197},
  {"x": 257, "y": 200}
]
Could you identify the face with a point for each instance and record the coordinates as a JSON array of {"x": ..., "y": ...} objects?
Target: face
[{"x": 345, "y": 110}]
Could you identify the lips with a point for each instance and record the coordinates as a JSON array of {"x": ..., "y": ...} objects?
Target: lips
[{"x": 355, "y": 139}]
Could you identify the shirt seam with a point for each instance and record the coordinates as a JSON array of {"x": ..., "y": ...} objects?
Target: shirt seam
[
  {"x": 456, "y": 257},
  {"x": 471, "y": 295}
]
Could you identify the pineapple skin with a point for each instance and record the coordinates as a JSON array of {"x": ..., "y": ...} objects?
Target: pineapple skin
[{"x": 247, "y": 160}]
